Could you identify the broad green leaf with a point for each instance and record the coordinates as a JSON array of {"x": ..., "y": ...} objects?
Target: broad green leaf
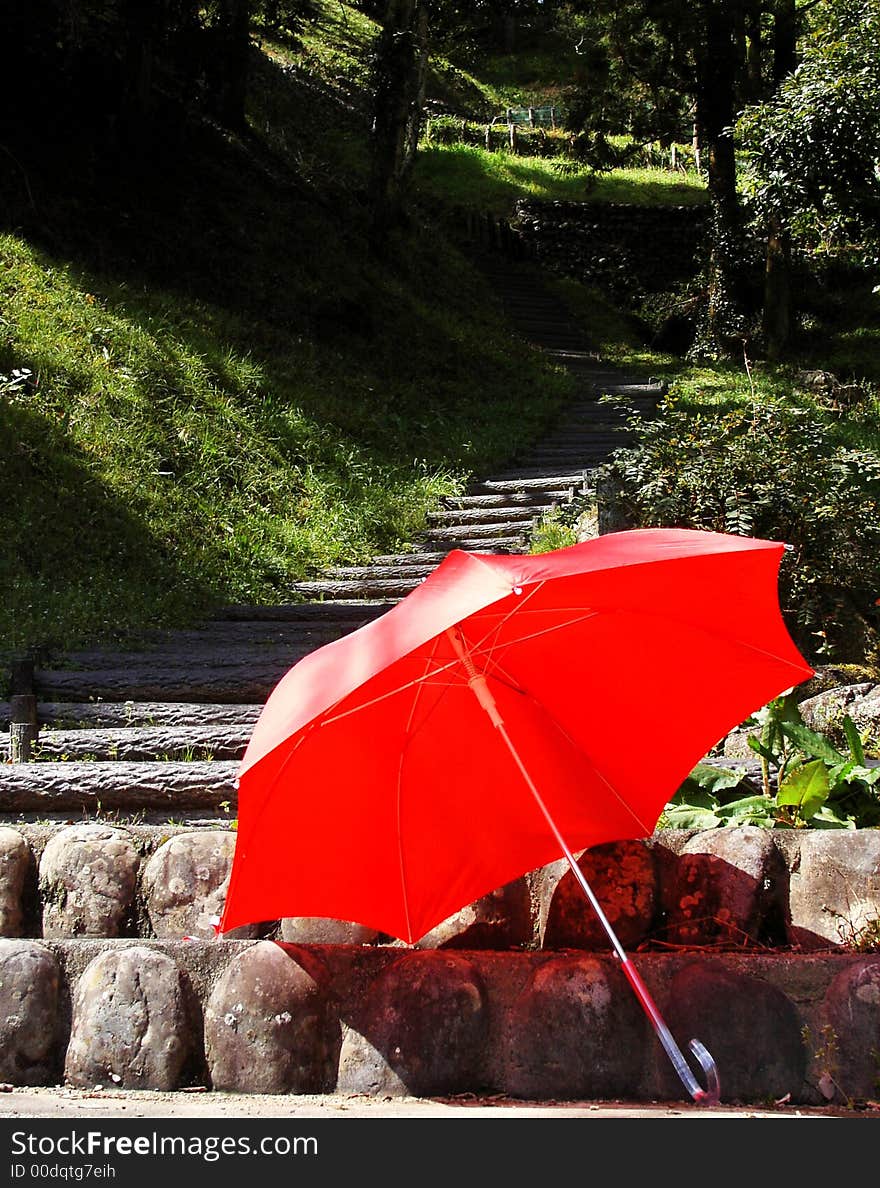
[
  {"x": 812, "y": 743},
  {"x": 716, "y": 779},
  {"x": 826, "y": 818},
  {"x": 691, "y": 795},
  {"x": 764, "y": 751},
  {"x": 854, "y": 739},
  {"x": 806, "y": 788},
  {"x": 757, "y": 809},
  {"x": 685, "y": 816},
  {"x": 867, "y": 775}
]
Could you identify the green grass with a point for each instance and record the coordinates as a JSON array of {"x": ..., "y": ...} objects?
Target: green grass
[
  {"x": 209, "y": 387},
  {"x": 165, "y": 454},
  {"x": 468, "y": 176}
]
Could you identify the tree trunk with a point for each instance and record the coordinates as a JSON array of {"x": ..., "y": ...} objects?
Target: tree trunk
[
  {"x": 776, "y": 321},
  {"x": 401, "y": 70},
  {"x": 234, "y": 17},
  {"x": 785, "y": 34},
  {"x": 754, "y": 84},
  {"x": 716, "y": 112},
  {"x": 777, "y": 291}
]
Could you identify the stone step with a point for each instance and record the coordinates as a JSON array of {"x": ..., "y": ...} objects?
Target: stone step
[
  {"x": 335, "y": 610},
  {"x": 144, "y": 743},
  {"x": 647, "y": 391},
  {"x": 180, "y": 682},
  {"x": 385, "y": 588},
  {"x": 564, "y": 456},
  {"x": 416, "y": 559},
  {"x": 494, "y": 516},
  {"x": 533, "y": 477},
  {"x": 362, "y": 573},
  {"x": 476, "y": 531},
  {"x": 203, "y": 652},
  {"x": 110, "y": 786},
  {"x": 223, "y": 634},
  {"x": 538, "y": 500},
  {"x": 501, "y": 544},
  {"x": 70, "y": 715},
  {"x": 596, "y": 431},
  {"x": 502, "y": 486}
]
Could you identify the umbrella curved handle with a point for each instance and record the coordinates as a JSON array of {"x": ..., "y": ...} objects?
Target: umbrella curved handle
[
  {"x": 711, "y": 1094},
  {"x": 708, "y": 1096}
]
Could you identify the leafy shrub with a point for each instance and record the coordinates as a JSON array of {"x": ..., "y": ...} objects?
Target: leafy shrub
[
  {"x": 777, "y": 472},
  {"x": 805, "y": 781}
]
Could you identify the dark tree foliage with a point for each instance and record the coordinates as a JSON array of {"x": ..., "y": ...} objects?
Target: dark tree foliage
[
  {"x": 811, "y": 156},
  {"x": 399, "y": 74},
  {"x": 463, "y": 30},
  {"x": 115, "y": 72},
  {"x": 668, "y": 70}
]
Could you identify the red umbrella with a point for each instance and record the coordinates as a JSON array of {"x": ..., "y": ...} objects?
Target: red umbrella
[{"x": 488, "y": 724}]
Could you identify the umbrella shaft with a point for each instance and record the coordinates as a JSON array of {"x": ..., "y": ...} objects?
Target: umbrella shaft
[
  {"x": 480, "y": 688},
  {"x": 633, "y": 977},
  {"x": 665, "y": 1036}
]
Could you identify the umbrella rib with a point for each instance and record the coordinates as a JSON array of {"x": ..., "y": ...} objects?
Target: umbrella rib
[
  {"x": 516, "y": 609},
  {"x": 422, "y": 680},
  {"x": 579, "y": 750},
  {"x": 509, "y": 643},
  {"x": 412, "y": 714}
]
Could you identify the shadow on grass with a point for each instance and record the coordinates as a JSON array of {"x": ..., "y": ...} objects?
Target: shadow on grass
[{"x": 118, "y": 575}]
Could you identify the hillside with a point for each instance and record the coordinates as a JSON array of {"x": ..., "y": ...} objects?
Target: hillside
[{"x": 210, "y": 386}]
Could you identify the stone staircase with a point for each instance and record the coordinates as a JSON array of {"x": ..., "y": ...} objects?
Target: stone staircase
[
  {"x": 116, "y": 841},
  {"x": 159, "y": 729}
]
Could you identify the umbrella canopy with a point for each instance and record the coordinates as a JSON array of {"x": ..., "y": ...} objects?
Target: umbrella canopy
[{"x": 507, "y": 711}]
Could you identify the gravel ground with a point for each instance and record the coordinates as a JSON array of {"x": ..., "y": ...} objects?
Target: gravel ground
[{"x": 63, "y": 1102}]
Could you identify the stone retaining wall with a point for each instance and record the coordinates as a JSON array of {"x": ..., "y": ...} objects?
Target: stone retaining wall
[
  {"x": 620, "y": 247},
  {"x": 741, "y": 887},
  {"x": 264, "y": 1017}
]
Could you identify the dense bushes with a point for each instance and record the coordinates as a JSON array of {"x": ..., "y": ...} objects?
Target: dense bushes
[{"x": 780, "y": 472}]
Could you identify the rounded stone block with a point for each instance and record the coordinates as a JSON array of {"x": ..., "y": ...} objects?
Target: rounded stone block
[
  {"x": 423, "y": 1030},
  {"x": 500, "y": 920},
  {"x": 184, "y": 885},
  {"x": 834, "y": 886},
  {"x": 15, "y": 861},
  {"x": 88, "y": 875},
  {"x": 752, "y": 1030},
  {"x": 825, "y": 711},
  {"x": 269, "y": 1027},
  {"x": 623, "y": 877},
  {"x": 724, "y": 886},
  {"x": 318, "y": 930},
  {"x": 29, "y": 980},
  {"x": 131, "y": 1023},
  {"x": 574, "y": 1032},
  {"x": 847, "y": 1053}
]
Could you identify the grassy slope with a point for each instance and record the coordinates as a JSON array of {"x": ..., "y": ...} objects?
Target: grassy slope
[
  {"x": 211, "y": 388},
  {"x": 466, "y": 175},
  {"x": 225, "y": 392}
]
